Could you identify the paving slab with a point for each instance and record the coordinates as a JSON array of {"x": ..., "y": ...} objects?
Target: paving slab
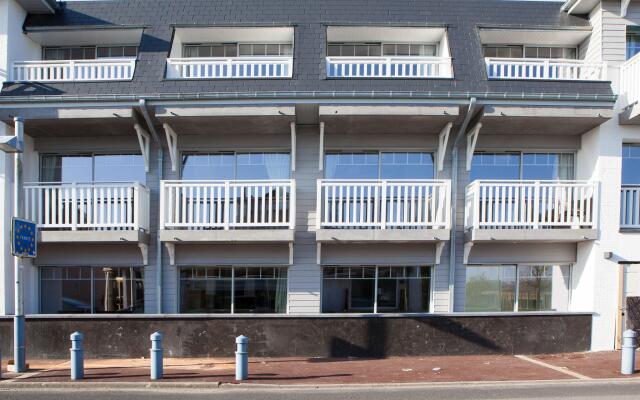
[{"x": 596, "y": 365}]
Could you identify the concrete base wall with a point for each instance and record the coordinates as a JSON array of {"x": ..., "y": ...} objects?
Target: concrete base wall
[{"x": 322, "y": 336}]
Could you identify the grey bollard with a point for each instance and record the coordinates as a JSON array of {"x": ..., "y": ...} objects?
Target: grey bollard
[
  {"x": 77, "y": 356},
  {"x": 156, "y": 356},
  {"x": 242, "y": 358},
  {"x": 629, "y": 345}
]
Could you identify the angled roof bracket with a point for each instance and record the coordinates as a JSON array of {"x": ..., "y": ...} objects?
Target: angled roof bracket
[
  {"x": 172, "y": 144},
  {"x": 472, "y": 139},
  {"x": 293, "y": 147},
  {"x": 144, "y": 139},
  {"x": 443, "y": 141},
  {"x": 624, "y": 7}
]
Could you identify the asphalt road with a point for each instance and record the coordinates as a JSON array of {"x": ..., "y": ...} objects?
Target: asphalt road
[{"x": 538, "y": 391}]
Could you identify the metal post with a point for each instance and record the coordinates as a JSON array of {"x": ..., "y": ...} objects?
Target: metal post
[
  {"x": 629, "y": 345},
  {"x": 19, "y": 359},
  {"x": 242, "y": 358},
  {"x": 156, "y": 356},
  {"x": 77, "y": 356}
]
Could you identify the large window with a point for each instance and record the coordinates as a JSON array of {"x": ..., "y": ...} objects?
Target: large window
[
  {"x": 241, "y": 166},
  {"x": 375, "y": 289},
  {"x": 633, "y": 41},
  {"x": 88, "y": 52},
  {"x": 92, "y": 168},
  {"x": 517, "y": 288},
  {"x": 258, "y": 290},
  {"x": 524, "y": 166},
  {"x": 84, "y": 290},
  {"x": 354, "y": 49},
  {"x": 631, "y": 164},
  {"x": 379, "y": 165},
  {"x": 515, "y": 51},
  {"x": 235, "y": 49}
]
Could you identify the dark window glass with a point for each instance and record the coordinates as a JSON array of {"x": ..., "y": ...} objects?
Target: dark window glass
[
  {"x": 633, "y": 41},
  {"x": 65, "y": 290},
  {"x": 118, "y": 290},
  {"x": 205, "y": 293},
  {"x": 354, "y": 289},
  {"x": 495, "y": 166}
]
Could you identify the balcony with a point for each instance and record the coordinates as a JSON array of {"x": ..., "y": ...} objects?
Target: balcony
[
  {"x": 545, "y": 69},
  {"x": 383, "y": 210},
  {"x": 630, "y": 207},
  {"x": 88, "y": 212},
  {"x": 249, "y": 67},
  {"x": 630, "y": 90},
  {"x": 74, "y": 70},
  {"x": 410, "y": 67},
  {"x": 227, "y": 211},
  {"x": 514, "y": 211}
]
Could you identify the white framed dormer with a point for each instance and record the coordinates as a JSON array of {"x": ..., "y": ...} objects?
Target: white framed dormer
[
  {"x": 231, "y": 53},
  {"x": 388, "y": 52},
  {"x": 80, "y": 55},
  {"x": 539, "y": 54}
]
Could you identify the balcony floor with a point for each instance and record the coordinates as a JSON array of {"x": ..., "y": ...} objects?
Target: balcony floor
[
  {"x": 227, "y": 236},
  {"x": 530, "y": 235},
  {"x": 93, "y": 236},
  {"x": 382, "y": 235}
]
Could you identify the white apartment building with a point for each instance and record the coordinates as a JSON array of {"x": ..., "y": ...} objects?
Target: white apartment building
[{"x": 464, "y": 180}]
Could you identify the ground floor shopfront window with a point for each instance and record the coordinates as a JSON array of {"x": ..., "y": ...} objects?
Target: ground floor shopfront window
[
  {"x": 517, "y": 288},
  {"x": 86, "y": 290},
  {"x": 259, "y": 290},
  {"x": 376, "y": 289}
]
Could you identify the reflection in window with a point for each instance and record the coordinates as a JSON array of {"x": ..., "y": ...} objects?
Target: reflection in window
[
  {"x": 259, "y": 290},
  {"x": 369, "y": 289},
  {"x": 241, "y": 166},
  {"x": 92, "y": 168},
  {"x": 538, "y": 288},
  {"x": 87, "y": 290},
  {"x": 525, "y": 166},
  {"x": 383, "y": 165},
  {"x": 633, "y": 41},
  {"x": 631, "y": 164}
]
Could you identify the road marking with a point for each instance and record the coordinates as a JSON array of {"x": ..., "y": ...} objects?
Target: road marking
[
  {"x": 563, "y": 370},
  {"x": 31, "y": 374}
]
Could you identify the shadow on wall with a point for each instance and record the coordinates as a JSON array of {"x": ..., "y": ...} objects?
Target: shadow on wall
[
  {"x": 29, "y": 89},
  {"x": 437, "y": 336}
]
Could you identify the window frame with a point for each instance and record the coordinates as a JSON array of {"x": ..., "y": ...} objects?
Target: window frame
[
  {"x": 237, "y": 48},
  {"x": 375, "y": 287},
  {"x": 524, "y": 47},
  {"x": 518, "y": 266},
  {"x": 521, "y": 154},
  {"x": 235, "y": 153},
  {"x": 381, "y": 45},
  {"x": 92, "y": 282},
  {"x": 94, "y": 49},
  {"x": 431, "y": 152},
  {"x": 93, "y": 162},
  {"x": 233, "y": 285}
]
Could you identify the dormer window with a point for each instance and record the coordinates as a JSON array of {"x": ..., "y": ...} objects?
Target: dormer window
[
  {"x": 236, "y": 49},
  {"x": 504, "y": 51},
  {"x": 231, "y": 53},
  {"x": 88, "y": 52}
]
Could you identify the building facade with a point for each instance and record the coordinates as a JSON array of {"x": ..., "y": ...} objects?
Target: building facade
[{"x": 308, "y": 158}]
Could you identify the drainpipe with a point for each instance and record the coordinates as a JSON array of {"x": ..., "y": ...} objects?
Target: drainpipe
[
  {"x": 454, "y": 198},
  {"x": 145, "y": 114}
]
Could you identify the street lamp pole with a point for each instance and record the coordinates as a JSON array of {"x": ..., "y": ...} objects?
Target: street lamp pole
[{"x": 19, "y": 358}]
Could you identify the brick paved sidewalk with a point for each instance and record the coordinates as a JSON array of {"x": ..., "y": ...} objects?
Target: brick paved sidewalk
[{"x": 340, "y": 371}]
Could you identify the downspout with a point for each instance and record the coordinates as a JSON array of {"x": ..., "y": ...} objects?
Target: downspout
[
  {"x": 145, "y": 114},
  {"x": 454, "y": 199}
]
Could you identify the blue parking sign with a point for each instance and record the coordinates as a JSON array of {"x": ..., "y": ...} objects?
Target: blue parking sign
[{"x": 23, "y": 238}]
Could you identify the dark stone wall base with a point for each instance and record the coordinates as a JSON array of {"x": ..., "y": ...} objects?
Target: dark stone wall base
[{"x": 343, "y": 336}]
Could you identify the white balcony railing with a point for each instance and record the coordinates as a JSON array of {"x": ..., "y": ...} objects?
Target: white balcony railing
[
  {"x": 531, "y": 205},
  {"x": 545, "y": 69},
  {"x": 383, "y": 204},
  {"x": 104, "y": 69},
  {"x": 88, "y": 206},
  {"x": 230, "y": 67},
  {"x": 630, "y": 81},
  {"x": 227, "y": 204},
  {"x": 389, "y": 67},
  {"x": 630, "y": 207}
]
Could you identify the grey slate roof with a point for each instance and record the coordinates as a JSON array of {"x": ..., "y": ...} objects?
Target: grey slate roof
[{"x": 310, "y": 18}]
